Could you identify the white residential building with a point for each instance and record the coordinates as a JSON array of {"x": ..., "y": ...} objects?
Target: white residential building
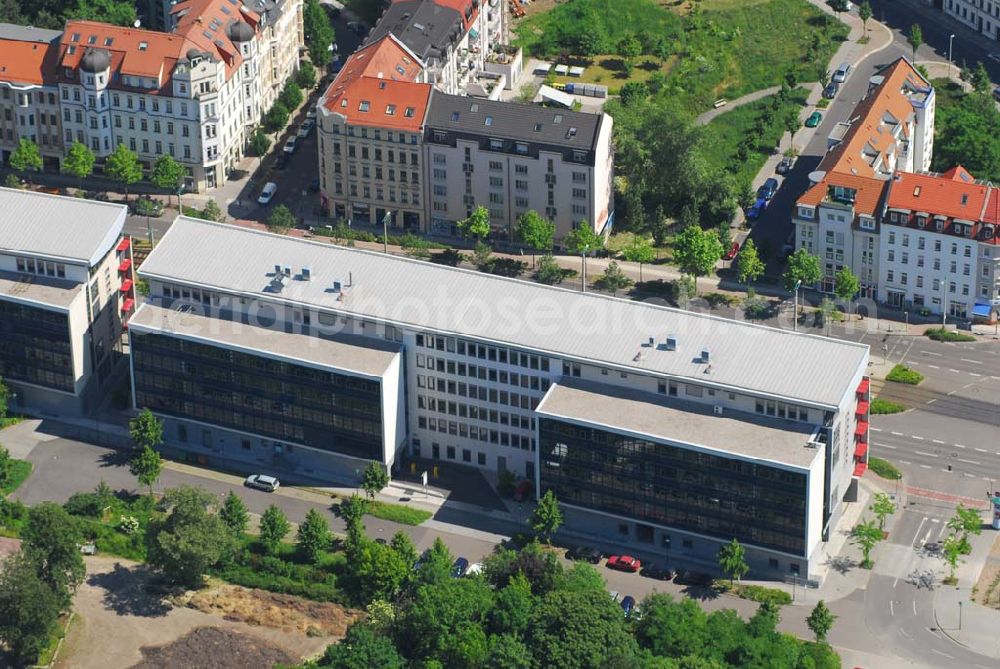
[{"x": 983, "y": 16}]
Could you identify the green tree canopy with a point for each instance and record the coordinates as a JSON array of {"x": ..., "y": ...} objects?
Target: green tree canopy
[
  {"x": 276, "y": 117},
  {"x": 846, "y": 284},
  {"x": 281, "y": 220},
  {"x": 639, "y": 249},
  {"x": 802, "y": 266},
  {"x": 362, "y": 648},
  {"x": 749, "y": 266},
  {"x": 306, "y": 76},
  {"x": 696, "y": 251},
  {"x": 235, "y": 515},
  {"x": 79, "y": 161},
  {"x": 318, "y": 32},
  {"x": 535, "y": 231},
  {"x": 313, "y": 538},
  {"x": 122, "y": 165},
  {"x": 579, "y": 630},
  {"x": 274, "y": 527},
  {"x": 374, "y": 479},
  {"x": 259, "y": 142},
  {"x": 915, "y": 38},
  {"x": 582, "y": 239},
  {"x": 51, "y": 542},
  {"x": 168, "y": 174},
  {"x": 732, "y": 560},
  {"x": 477, "y": 225},
  {"x": 549, "y": 272},
  {"x": 146, "y": 465},
  {"x": 821, "y": 620},
  {"x": 189, "y": 539},
  {"x": 426, "y": 628},
  {"x": 25, "y": 158},
  {"x": 212, "y": 212},
  {"x": 968, "y": 134},
  {"x": 882, "y": 507},
  {"x": 614, "y": 279},
  {"x": 118, "y": 12},
  {"x": 291, "y": 95},
  {"x": 865, "y": 535},
  {"x": 146, "y": 430},
  {"x": 547, "y": 517},
  {"x": 29, "y": 609},
  {"x": 865, "y": 13}
]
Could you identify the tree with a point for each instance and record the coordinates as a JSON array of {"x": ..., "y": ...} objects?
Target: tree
[
  {"x": 145, "y": 430},
  {"x": 169, "y": 174},
  {"x": 189, "y": 540},
  {"x": 578, "y": 629},
  {"x": 313, "y": 538},
  {"x": 79, "y": 161},
  {"x": 821, "y": 620},
  {"x": 827, "y": 309},
  {"x": 846, "y": 285},
  {"x": 696, "y": 251},
  {"x": 318, "y": 32},
  {"x": 662, "y": 49},
  {"x": 802, "y": 266},
  {"x": 633, "y": 92},
  {"x": 51, "y": 543},
  {"x": 362, "y": 648},
  {"x": 732, "y": 560},
  {"x": 749, "y": 266},
  {"x": 29, "y": 609},
  {"x": 281, "y": 220},
  {"x": 403, "y": 545},
  {"x": 117, "y": 12},
  {"x": 146, "y": 465},
  {"x": 122, "y": 165},
  {"x": 614, "y": 279},
  {"x": 639, "y": 250},
  {"x": 536, "y": 232},
  {"x": 915, "y": 38},
  {"x": 865, "y": 13},
  {"x": 352, "y": 510},
  {"x": 547, "y": 517},
  {"x": 965, "y": 522},
  {"x": 791, "y": 122},
  {"x": 4, "y": 397},
  {"x": 435, "y": 565},
  {"x": 549, "y": 272},
  {"x": 969, "y": 134},
  {"x": 306, "y": 76},
  {"x": 477, "y": 225},
  {"x": 754, "y": 306},
  {"x": 375, "y": 479},
  {"x": 259, "y": 142},
  {"x": 629, "y": 48},
  {"x": 212, "y": 212},
  {"x": 291, "y": 95},
  {"x": 952, "y": 549},
  {"x": 582, "y": 239},
  {"x": 980, "y": 79},
  {"x": 882, "y": 507},
  {"x": 25, "y": 158},
  {"x": 865, "y": 535},
  {"x": 687, "y": 289},
  {"x": 234, "y": 514},
  {"x": 276, "y": 117},
  {"x": 274, "y": 527}
]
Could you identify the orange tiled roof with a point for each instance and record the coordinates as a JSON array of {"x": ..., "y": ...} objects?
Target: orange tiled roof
[
  {"x": 28, "y": 62},
  {"x": 377, "y": 86},
  {"x": 868, "y": 191},
  {"x": 156, "y": 59},
  {"x": 954, "y": 196},
  {"x": 205, "y": 23}
]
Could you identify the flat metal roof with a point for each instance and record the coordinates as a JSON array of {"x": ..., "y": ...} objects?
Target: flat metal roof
[
  {"x": 734, "y": 433},
  {"x": 57, "y": 227},
  {"x": 38, "y": 290},
  {"x": 356, "y": 355},
  {"x": 593, "y": 328}
]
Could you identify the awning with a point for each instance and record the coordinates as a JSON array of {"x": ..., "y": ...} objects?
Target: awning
[
  {"x": 983, "y": 310},
  {"x": 127, "y": 305},
  {"x": 123, "y": 244},
  {"x": 859, "y": 469},
  {"x": 126, "y": 285},
  {"x": 126, "y": 265},
  {"x": 863, "y": 386},
  {"x": 860, "y": 450},
  {"x": 862, "y": 408}
]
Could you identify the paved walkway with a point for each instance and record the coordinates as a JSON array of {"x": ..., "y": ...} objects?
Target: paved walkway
[
  {"x": 964, "y": 621},
  {"x": 704, "y": 119}
]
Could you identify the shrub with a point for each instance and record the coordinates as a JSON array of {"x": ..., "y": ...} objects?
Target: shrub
[
  {"x": 757, "y": 593},
  {"x": 504, "y": 267},
  {"x": 86, "y": 504},
  {"x": 449, "y": 257},
  {"x": 323, "y": 590},
  {"x": 884, "y": 468},
  {"x": 12, "y": 514},
  {"x": 941, "y": 334},
  {"x": 128, "y": 525},
  {"x": 903, "y": 374},
  {"x": 880, "y": 406}
]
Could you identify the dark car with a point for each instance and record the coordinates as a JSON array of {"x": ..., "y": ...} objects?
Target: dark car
[
  {"x": 754, "y": 212},
  {"x": 314, "y": 185},
  {"x": 698, "y": 578},
  {"x": 591, "y": 555},
  {"x": 422, "y": 559},
  {"x": 814, "y": 119},
  {"x": 658, "y": 572},
  {"x": 628, "y": 604},
  {"x": 523, "y": 491},
  {"x": 459, "y": 568},
  {"x": 768, "y": 189},
  {"x": 831, "y": 90},
  {"x": 282, "y": 160}
]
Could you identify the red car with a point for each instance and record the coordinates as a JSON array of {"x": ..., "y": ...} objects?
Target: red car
[
  {"x": 523, "y": 491},
  {"x": 733, "y": 250},
  {"x": 624, "y": 563}
]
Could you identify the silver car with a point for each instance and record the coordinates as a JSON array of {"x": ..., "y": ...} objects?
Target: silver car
[{"x": 262, "y": 482}]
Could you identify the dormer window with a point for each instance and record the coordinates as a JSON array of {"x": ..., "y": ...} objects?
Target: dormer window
[
  {"x": 921, "y": 220},
  {"x": 75, "y": 37}
]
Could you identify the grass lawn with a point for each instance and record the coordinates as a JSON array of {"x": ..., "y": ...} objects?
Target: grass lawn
[
  {"x": 880, "y": 406},
  {"x": 884, "y": 468},
  {"x": 398, "y": 513},
  {"x": 724, "y": 133},
  {"x": 903, "y": 374},
  {"x": 19, "y": 472}
]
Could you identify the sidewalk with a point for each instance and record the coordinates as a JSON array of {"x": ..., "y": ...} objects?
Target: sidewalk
[{"x": 965, "y": 622}]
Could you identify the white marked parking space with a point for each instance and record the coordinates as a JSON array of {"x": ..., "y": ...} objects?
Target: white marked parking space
[
  {"x": 925, "y": 467},
  {"x": 875, "y": 429},
  {"x": 960, "y": 446},
  {"x": 933, "y": 366},
  {"x": 969, "y": 462},
  {"x": 981, "y": 450}
]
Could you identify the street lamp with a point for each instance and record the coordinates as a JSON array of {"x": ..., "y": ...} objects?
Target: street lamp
[
  {"x": 385, "y": 232},
  {"x": 583, "y": 261},
  {"x": 960, "y": 614},
  {"x": 795, "y": 314},
  {"x": 951, "y": 38}
]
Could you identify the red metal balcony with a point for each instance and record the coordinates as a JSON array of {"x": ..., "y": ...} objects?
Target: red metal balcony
[
  {"x": 126, "y": 265},
  {"x": 860, "y": 450},
  {"x": 126, "y": 286},
  {"x": 861, "y": 431},
  {"x": 860, "y": 468},
  {"x": 863, "y": 387},
  {"x": 127, "y": 305},
  {"x": 123, "y": 244},
  {"x": 862, "y": 408}
]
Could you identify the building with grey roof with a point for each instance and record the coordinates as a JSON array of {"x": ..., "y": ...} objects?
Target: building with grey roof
[
  {"x": 500, "y": 374},
  {"x": 66, "y": 288}
]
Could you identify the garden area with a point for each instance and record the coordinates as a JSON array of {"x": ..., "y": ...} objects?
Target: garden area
[{"x": 967, "y": 127}]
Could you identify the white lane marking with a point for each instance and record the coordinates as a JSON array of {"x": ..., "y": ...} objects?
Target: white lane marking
[
  {"x": 897, "y": 434},
  {"x": 954, "y": 370},
  {"x": 981, "y": 450},
  {"x": 914, "y": 607},
  {"x": 905, "y": 633},
  {"x": 875, "y": 429},
  {"x": 995, "y": 378},
  {"x": 974, "y": 362},
  {"x": 931, "y": 353},
  {"x": 886, "y": 446},
  {"x": 968, "y": 475},
  {"x": 938, "y": 441},
  {"x": 932, "y": 401},
  {"x": 892, "y": 612},
  {"x": 974, "y": 374},
  {"x": 925, "y": 466},
  {"x": 934, "y": 520},
  {"x": 906, "y": 462},
  {"x": 913, "y": 541},
  {"x": 945, "y": 471},
  {"x": 935, "y": 650},
  {"x": 960, "y": 446},
  {"x": 969, "y": 462},
  {"x": 933, "y": 366},
  {"x": 913, "y": 436},
  {"x": 929, "y": 455}
]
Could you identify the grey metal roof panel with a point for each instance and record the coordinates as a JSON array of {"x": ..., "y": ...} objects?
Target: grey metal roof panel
[
  {"x": 12, "y": 31},
  {"x": 746, "y": 435},
  {"x": 590, "y": 327},
  {"x": 70, "y": 228},
  {"x": 513, "y": 120},
  {"x": 424, "y": 27}
]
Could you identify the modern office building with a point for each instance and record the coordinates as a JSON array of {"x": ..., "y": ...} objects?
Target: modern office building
[
  {"x": 66, "y": 287},
  {"x": 669, "y": 429}
]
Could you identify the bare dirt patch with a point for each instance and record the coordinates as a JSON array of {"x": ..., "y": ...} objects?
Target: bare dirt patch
[
  {"x": 214, "y": 648},
  {"x": 268, "y": 609},
  {"x": 988, "y": 587}
]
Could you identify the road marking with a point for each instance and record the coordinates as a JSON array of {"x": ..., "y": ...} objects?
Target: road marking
[
  {"x": 929, "y": 455},
  {"x": 892, "y": 612},
  {"x": 935, "y": 650},
  {"x": 981, "y": 450},
  {"x": 917, "y": 533},
  {"x": 886, "y": 446},
  {"x": 933, "y": 366},
  {"x": 974, "y": 362},
  {"x": 960, "y": 446},
  {"x": 925, "y": 466},
  {"x": 969, "y": 462},
  {"x": 913, "y": 436},
  {"x": 906, "y": 462},
  {"x": 931, "y": 353},
  {"x": 898, "y": 434},
  {"x": 946, "y": 471},
  {"x": 933, "y": 520},
  {"x": 914, "y": 607},
  {"x": 875, "y": 429},
  {"x": 938, "y": 441},
  {"x": 974, "y": 374},
  {"x": 932, "y": 401},
  {"x": 954, "y": 370},
  {"x": 905, "y": 633},
  {"x": 995, "y": 378},
  {"x": 968, "y": 475}
]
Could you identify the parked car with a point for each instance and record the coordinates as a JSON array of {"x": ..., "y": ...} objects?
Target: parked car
[
  {"x": 785, "y": 166},
  {"x": 282, "y": 161},
  {"x": 658, "y": 572},
  {"x": 831, "y": 90},
  {"x": 459, "y": 568},
  {"x": 624, "y": 563},
  {"x": 523, "y": 491},
  {"x": 733, "y": 250},
  {"x": 627, "y": 604},
  {"x": 814, "y": 119},
  {"x": 475, "y": 568},
  {"x": 698, "y": 578},
  {"x": 314, "y": 185},
  {"x": 290, "y": 144},
  {"x": 757, "y": 209},
  {"x": 841, "y": 73},
  {"x": 262, "y": 482},
  {"x": 311, "y": 114},
  {"x": 270, "y": 188},
  {"x": 768, "y": 189},
  {"x": 591, "y": 555},
  {"x": 422, "y": 559},
  {"x": 305, "y": 128}
]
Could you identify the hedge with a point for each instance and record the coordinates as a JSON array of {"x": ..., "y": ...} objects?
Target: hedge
[
  {"x": 903, "y": 374},
  {"x": 941, "y": 334},
  {"x": 884, "y": 468}
]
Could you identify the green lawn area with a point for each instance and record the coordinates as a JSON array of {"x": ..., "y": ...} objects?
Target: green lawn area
[
  {"x": 903, "y": 374},
  {"x": 880, "y": 406},
  {"x": 724, "y": 133},
  {"x": 398, "y": 513},
  {"x": 721, "y": 48},
  {"x": 884, "y": 468},
  {"x": 19, "y": 471}
]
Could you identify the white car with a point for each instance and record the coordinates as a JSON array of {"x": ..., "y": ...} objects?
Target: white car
[
  {"x": 305, "y": 129},
  {"x": 270, "y": 188},
  {"x": 311, "y": 114},
  {"x": 476, "y": 568},
  {"x": 290, "y": 144},
  {"x": 262, "y": 482}
]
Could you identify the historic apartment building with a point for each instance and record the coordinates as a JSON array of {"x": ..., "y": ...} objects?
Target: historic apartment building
[
  {"x": 983, "y": 16},
  {"x": 66, "y": 288},
  {"x": 195, "y": 93},
  {"x": 395, "y": 137},
  {"x": 672, "y": 430}
]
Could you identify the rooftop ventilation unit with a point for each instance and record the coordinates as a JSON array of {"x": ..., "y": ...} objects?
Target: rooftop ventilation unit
[
  {"x": 652, "y": 342},
  {"x": 277, "y": 269},
  {"x": 337, "y": 287},
  {"x": 306, "y": 274},
  {"x": 287, "y": 270},
  {"x": 705, "y": 355},
  {"x": 671, "y": 343}
]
